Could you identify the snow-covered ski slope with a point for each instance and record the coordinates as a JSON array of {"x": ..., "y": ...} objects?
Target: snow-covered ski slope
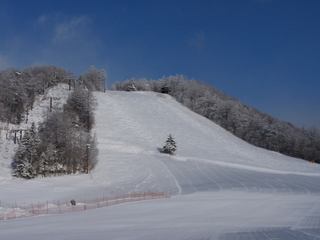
[
  {"x": 226, "y": 188},
  {"x": 130, "y": 126}
]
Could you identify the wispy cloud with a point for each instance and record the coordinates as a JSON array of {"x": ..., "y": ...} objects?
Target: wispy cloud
[
  {"x": 71, "y": 28},
  {"x": 53, "y": 38},
  {"x": 42, "y": 19},
  {"x": 71, "y": 42}
]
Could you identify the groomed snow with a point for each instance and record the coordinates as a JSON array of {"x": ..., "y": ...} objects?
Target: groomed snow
[
  {"x": 239, "y": 180},
  {"x": 225, "y": 215}
]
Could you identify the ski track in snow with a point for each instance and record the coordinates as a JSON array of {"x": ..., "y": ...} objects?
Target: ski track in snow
[{"x": 174, "y": 178}]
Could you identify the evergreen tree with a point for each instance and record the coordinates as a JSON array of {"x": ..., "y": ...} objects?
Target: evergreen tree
[
  {"x": 170, "y": 146},
  {"x": 22, "y": 166},
  {"x": 33, "y": 147},
  {"x": 25, "y": 162}
]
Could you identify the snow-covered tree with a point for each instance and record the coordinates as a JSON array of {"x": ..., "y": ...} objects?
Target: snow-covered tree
[
  {"x": 26, "y": 158},
  {"x": 43, "y": 165},
  {"x": 18, "y": 89},
  {"x": 79, "y": 106},
  {"x": 24, "y": 169},
  {"x": 170, "y": 146},
  {"x": 131, "y": 87},
  {"x": 94, "y": 79},
  {"x": 66, "y": 143},
  {"x": 49, "y": 162}
]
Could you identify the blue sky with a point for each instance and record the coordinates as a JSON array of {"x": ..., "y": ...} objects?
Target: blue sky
[{"x": 264, "y": 52}]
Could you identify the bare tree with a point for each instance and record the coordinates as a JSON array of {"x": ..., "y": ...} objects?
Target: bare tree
[{"x": 94, "y": 79}]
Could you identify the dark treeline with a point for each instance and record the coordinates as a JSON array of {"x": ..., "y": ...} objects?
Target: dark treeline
[
  {"x": 18, "y": 88},
  {"x": 63, "y": 143},
  {"x": 243, "y": 121}
]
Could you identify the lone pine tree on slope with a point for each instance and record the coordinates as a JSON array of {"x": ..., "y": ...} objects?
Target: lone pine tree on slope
[{"x": 170, "y": 146}]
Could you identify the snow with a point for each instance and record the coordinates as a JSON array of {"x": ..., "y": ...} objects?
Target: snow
[
  {"x": 221, "y": 184},
  {"x": 213, "y": 215}
]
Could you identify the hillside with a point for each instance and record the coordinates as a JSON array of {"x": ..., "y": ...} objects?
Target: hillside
[
  {"x": 245, "y": 122},
  {"x": 129, "y": 131},
  {"x": 129, "y": 128}
]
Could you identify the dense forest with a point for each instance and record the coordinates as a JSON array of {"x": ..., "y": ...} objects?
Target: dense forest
[
  {"x": 18, "y": 88},
  {"x": 243, "y": 121},
  {"x": 63, "y": 143}
]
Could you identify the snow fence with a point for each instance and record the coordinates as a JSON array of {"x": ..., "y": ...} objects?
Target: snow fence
[{"x": 58, "y": 207}]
